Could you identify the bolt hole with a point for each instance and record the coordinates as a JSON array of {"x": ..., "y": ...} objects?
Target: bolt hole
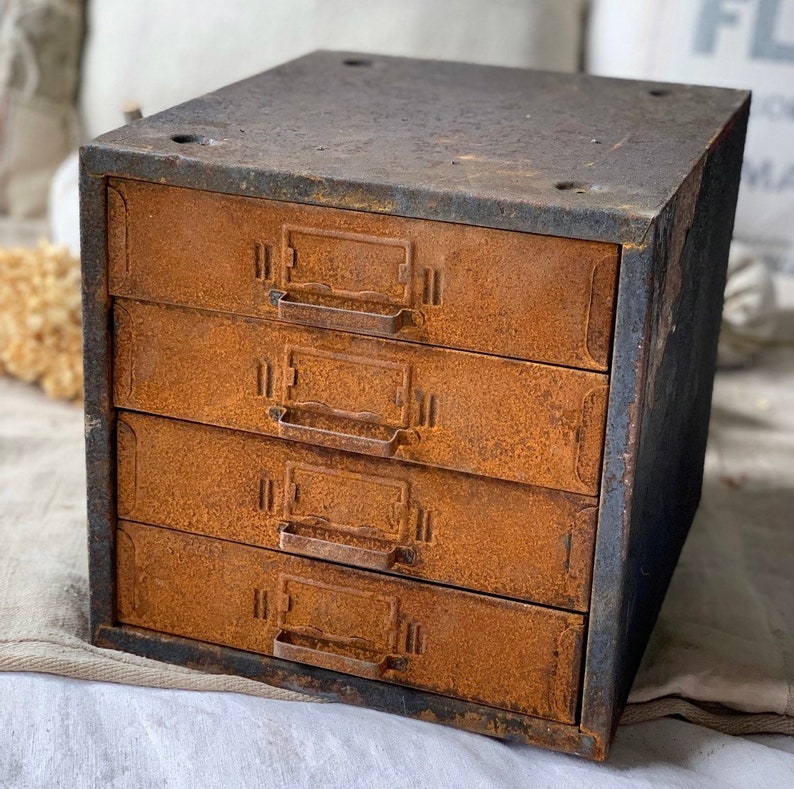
[
  {"x": 357, "y": 62},
  {"x": 572, "y": 186},
  {"x": 198, "y": 139},
  {"x": 659, "y": 92}
]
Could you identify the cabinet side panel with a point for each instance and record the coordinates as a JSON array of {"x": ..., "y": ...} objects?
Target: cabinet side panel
[
  {"x": 687, "y": 306},
  {"x": 100, "y": 462},
  {"x": 692, "y": 240}
]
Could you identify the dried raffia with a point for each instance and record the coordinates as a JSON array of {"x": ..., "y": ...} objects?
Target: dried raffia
[{"x": 40, "y": 335}]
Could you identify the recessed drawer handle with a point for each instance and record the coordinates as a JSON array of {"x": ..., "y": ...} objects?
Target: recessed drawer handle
[
  {"x": 294, "y": 539},
  {"x": 326, "y": 654},
  {"x": 346, "y": 320},
  {"x": 349, "y": 442}
]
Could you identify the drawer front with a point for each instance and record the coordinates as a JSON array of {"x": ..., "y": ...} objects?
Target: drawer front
[
  {"x": 498, "y": 652},
  {"x": 505, "y": 293},
  {"x": 485, "y": 415},
  {"x": 488, "y": 535}
]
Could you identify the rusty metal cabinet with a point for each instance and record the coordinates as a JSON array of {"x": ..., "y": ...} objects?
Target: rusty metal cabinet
[{"x": 398, "y": 378}]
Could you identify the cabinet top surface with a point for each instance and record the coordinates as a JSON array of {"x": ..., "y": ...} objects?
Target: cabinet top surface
[{"x": 553, "y": 153}]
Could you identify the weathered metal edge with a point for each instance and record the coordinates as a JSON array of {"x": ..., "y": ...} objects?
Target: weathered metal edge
[
  {"x": 460, "y": 207},
  {"x": 99, "y": 412},
  {"x": 347, "y": 689},
  {"x": 629, "y": 357},
  {"x": 684, "y": 336}
]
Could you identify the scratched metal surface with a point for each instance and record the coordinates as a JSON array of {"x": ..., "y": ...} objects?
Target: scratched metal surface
[{"x": 567, "y": 155}]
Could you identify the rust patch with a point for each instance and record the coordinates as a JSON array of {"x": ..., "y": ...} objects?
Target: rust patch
[
  {"x": 591, "y": 437},
  {"x": 118, "y": 251},
  {"x": 495, "y": 417},
  {"x": 600, "y": 310},
  {"x": 126, "y": 470}
]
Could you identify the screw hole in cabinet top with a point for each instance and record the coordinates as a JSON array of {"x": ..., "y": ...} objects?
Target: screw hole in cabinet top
[
  {"x": 572, "y": 186},
  {"x": 198, "y": 139}
]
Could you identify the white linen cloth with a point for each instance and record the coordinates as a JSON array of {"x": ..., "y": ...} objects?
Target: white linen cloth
[
  {"x": 60, "y": 732},
  {"x": 724, "y": 636}
]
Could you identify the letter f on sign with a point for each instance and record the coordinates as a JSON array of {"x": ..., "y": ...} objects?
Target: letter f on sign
[{"x": 713, "y": 15}]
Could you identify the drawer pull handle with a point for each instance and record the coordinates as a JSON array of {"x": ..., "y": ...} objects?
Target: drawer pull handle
[
  {"x": 372, "y": 554},
  {"x": 349, "y": 442},
  {"x": 327, "y": 654},
  {"x": 345, "y": 320}
]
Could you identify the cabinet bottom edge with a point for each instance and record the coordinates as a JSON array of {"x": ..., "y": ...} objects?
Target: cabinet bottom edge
[{"x": 333, "y": 686}]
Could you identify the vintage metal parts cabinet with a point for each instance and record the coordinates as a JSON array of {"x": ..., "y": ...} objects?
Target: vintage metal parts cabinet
[{"x": 398, "y": 377}]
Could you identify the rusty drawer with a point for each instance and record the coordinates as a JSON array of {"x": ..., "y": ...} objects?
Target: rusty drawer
[
  {"x": 488, "y": 535},
  {"x": 526, "y": 296},
  {"x": 498, "y": 652},
  {"x": 485, "y": 415}
]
